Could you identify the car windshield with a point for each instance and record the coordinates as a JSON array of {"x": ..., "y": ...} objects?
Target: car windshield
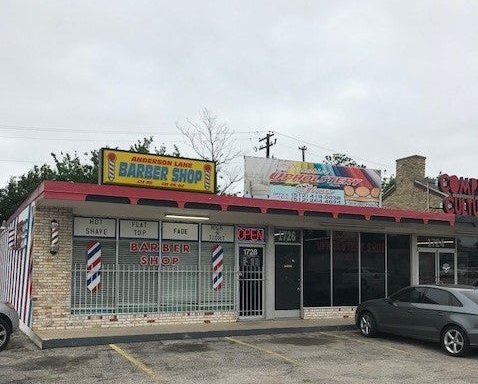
[{"x": 471, "y": 294}]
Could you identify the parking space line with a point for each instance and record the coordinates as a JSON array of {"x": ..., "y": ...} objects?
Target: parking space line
[
  {"x": 138, "y": 364},
  {"x": 285, "y": 358},
  {"x": 363, "y": 342}
]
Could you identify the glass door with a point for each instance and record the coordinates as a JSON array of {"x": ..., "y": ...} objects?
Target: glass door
[
  {"x": 427, "y": 267},
  {"x": 436, "y": 267}
]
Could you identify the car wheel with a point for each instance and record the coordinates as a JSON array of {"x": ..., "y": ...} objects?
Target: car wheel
[
  {"x": 367, "y": 324},
  {"x": 4, "y": 334},
  {"x": 455, "y": 341}
]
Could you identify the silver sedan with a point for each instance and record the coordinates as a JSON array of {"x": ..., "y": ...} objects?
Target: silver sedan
[{"x": 445, "y": 314}]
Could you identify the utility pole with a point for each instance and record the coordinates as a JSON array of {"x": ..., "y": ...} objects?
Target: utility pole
[
  {"x": 268, "y": 143},
  {"x": 303, "y": 149}
]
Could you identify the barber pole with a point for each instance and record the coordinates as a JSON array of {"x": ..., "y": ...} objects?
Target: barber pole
[
  {"x": 207, "y": 177},
  {"x": 54, "y": 237},
  {"x": 11, "y": 235},
  {"x": 111, "y": 166},
  {"x": 217, "y": 267},
  {"x": 93, "y": 266}
]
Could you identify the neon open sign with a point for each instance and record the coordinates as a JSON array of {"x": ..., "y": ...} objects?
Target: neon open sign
[{"x": 251, "y": 234}]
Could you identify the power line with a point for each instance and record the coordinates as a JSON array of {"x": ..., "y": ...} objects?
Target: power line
[
  {"x": 76, "y": 139},
  {"x": 132, "y": 131},
  {"x": 330, "y": 149}
]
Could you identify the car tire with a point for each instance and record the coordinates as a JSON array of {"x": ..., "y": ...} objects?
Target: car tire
[
  {"x": 454, "y": 341},
  {"x": 367, "y": 324},
  {"x": 5, "y": 333}
]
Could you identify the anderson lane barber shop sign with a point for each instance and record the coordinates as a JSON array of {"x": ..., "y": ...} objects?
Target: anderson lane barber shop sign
[
  {"x": 155, "y": 171},
  {"x": 462, "y": 199}
]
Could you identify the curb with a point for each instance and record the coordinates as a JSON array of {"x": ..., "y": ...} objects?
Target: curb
[{"x": 120, "y": 339}]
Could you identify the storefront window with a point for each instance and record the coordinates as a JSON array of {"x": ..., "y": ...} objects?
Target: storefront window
[
  {"x": 316, "y": 268},
  {"x": 217, "y": 289},
  {"x": 398, "y": 262},
  {"x": 97, "y": 235},
  {"x": 467, "y": 260},
  {"x": 345, "y": 255},
  {"x": 179, "y": 279},
  {"x": 372, "y": 266},
  {"x": 138, "y": 266}
]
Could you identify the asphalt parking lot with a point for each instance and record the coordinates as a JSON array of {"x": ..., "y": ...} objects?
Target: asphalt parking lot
[{"x": 319, "y": 357}]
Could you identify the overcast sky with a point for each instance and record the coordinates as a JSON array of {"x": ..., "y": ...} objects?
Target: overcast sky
[{"x": 378, "y": 80}]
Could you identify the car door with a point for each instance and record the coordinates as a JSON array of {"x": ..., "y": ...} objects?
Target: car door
[
  {"x": 432, "y": 314},
  {"x": 397, "y": 319}
]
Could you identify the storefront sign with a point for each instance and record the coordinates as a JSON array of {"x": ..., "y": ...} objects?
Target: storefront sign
[
  {"x": 217, "y": 233},
  {"x": 287, "y": 236},
  {"x": 462, "y": 199},
  {"x": 180, "y": 231},
  {"x": 149, "y": 252},
  {"x": 139, "y": 229},
  {"x": 311, "y": 182},
  {"x": 251, "y": 234},
  {"x": 435, "y": 242},
  {"x": 153, "y": 261},
  {"x": 166, "y": 172},
  {"x": 94, "y": 227}
]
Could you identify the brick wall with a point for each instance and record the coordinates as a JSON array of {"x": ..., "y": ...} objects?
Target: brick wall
[
  {"x": 51, "y": 277},
  {"x": 329, "y": 313},
  {"x": 149, "y": 319},
  {"x": 407, "y": 195}
]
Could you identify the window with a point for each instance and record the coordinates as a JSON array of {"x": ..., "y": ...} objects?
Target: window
[
  {"x": 409, "y": 295},
  {"x": 372, "y": 266},
  {"x": 345, "y": 268},
  {"x": 316, "y": 268},
  {"x": 472, "y": 295},
  {"x": 398, "y": 262},
  {"x": 440, "y": 297},
  {"x": 467, "y": 260}
]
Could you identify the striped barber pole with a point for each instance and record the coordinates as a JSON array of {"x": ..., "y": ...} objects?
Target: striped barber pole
[
  {"x": 217, "y": 267},
  {"x": 111, "y": 166},
  {"x": 54, "y": 237},
  {"x": 11, "y": 235},
  {"x": 93, "y": 266}
]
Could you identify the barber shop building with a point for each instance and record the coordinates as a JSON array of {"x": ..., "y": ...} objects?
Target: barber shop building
[{"x": 152, "y": 243}]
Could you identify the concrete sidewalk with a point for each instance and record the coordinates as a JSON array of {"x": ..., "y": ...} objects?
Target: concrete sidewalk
[{"x": 98, "y": 336}]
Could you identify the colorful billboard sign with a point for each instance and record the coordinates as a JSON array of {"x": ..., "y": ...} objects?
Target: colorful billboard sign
[
  {"x": 311, "y": 182},
  {"x": 155, "y": 171},
  {"x": 462, "y": 199}
]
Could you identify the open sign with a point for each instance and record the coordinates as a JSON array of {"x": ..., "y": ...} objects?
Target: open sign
[{"x": 251, "y": 234}]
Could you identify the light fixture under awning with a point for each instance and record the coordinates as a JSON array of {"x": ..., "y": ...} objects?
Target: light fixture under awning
[{"x": 185, "y": 217}]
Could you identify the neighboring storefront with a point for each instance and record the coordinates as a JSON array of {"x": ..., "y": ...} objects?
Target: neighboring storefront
[
  {"x": 83, "y": 255},
  {"x": 441, "y": 259}
]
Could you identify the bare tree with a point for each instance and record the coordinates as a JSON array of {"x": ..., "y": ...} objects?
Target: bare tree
[{"x": 213, "y": 140}]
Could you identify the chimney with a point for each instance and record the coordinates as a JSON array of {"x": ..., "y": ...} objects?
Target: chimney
[{"x": 409, "y": 169}]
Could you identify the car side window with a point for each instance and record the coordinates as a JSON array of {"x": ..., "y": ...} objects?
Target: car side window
[
  {"x": 410, "y": 295},
  {"x": 440, "y": 297},
  {"x": 455, "y": 302}
]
